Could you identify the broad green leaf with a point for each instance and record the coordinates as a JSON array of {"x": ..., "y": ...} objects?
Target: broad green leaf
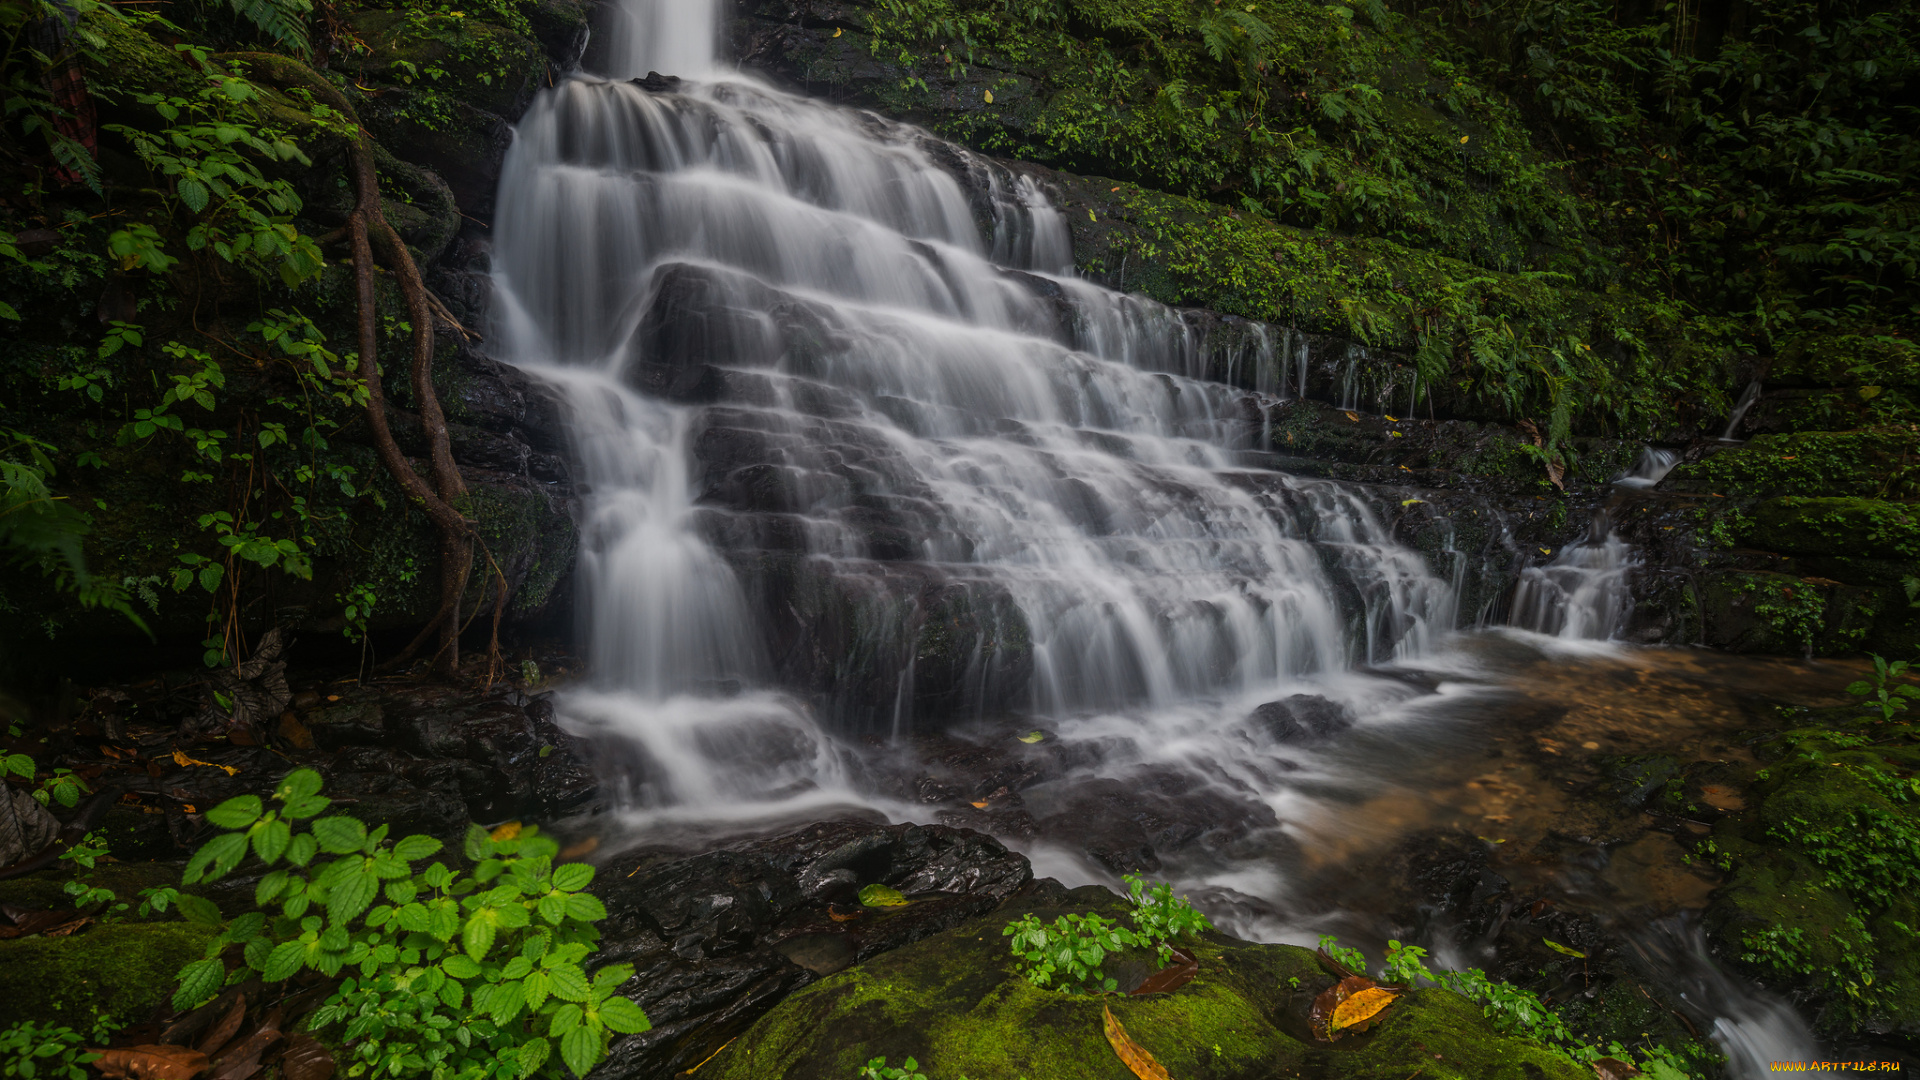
[
  {"x": 236, "y": 813},
  {"x": 339, "y": 835},
  {"x": 553, "y": 908},
  {"x": 298, "y": 784},
  {"x": 403, "y": 892},
  {"x": 505, "y": 1004},
  {"x": 460, "y": 966},
  {"x": 199, "y": 981},
  {"x": 532, "y": 1054},
  {"x": 477, "y": 937},
  {"x": 623, "y": 1016},
  {"x": 572, "y": 877},
  {"x": 198, "y": 909},
  {"x": 349, "y": 897},
  {"x": 303, "y": 849},
  {"x": 270, "y": 841},
  {"x": 581, "y": 1049},
  {"x": 285, "y": 961},
  {"x": 882, "y": 896},
  {"x": 270, "y": 887},
  {"x": 612, "y": 975},
  {"x": 538, "y": 987},
  {"x": 586, "y": 907},
  {"x": 569, "y": 982},
  {"x": 517, "y": 968},
  {"x": 216, "y": 858},
  {"x": 305, "y": 806},
  {"x": 413, "y": 848},
  {"x": 452, "y": 993}
]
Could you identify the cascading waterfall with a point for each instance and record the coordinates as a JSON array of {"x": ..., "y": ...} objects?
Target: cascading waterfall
[{"x": 824, "y": 270}]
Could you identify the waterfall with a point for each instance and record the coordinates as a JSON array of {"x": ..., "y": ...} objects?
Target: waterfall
[
  {"x": 1582, "y": 594},
  {"x": 810, "y": 352},
  {"x": 1748, "y": 398}
]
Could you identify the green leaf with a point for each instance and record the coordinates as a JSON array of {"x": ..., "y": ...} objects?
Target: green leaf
[
  {"x": 350, "y": 896},
  {"x": 451, "y": 992},
  {"x": 199, "y": 981},
  {"x": 303, "y": 849},
  {"x": 538, "y": 986},
  {"x": 460, "y": 966},
  {"x": 198, "y": 909},
  {"x": 479, "y": 845},
  {"x": 569, "y": 982},
  {"x": 298, "y": 784},
  {"x": 532, "y": 1054},
  {"x": 553, "y": 908},
  {"x": 236, "y": 813},
  {"x": 416, "y": 847},
  {"x": 270, "y": 841},
  {"x": 216, "y": 858},
  {"x": 572, "y": 877},
  {"x": 508, "y": 997},
  {"x": 623, "y": 1016},
  {"x": 286, "y": 960},
  {"x": 270, "y": 886},
  {"x": 340, "y": 835},
  {"x": 477, "y": 937},
  {"x": 194, "y": 194},
  {"x": 586, "y": 907},
  {"x": 882, "y": 896},
  {"x": 1564, "y": 950},
  {"x": 581, "y": 1049},
  {"x": 403, "y": 892}
]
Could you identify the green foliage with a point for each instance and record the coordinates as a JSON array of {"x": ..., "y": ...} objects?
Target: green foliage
[
  {"x": 878, "y": 1069},
  {"x": 1883, "y": 692},
  {"x": 1073, "y": 947},
  {"x": 209, "y": 153},
  {"x": 40, "y": 529},
  {"x": 33, "y": 1051},
  {"x": 465, "y": 975},
  {"x": 285, "y": 21}
]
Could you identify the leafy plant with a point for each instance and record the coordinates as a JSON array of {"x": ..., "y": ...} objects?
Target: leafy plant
[
  {"x": 1073, "y": 947},
  {"x": 33, "y": 1051},
  {"x": 878, "y": 1069},
  {"x": 1883, "y": 693},
  {"x": 454, "y": 975},
  {"x": 1163, "y": 918}
]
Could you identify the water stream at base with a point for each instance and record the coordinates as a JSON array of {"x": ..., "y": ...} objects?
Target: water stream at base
[{"x": 731, "y": 258}]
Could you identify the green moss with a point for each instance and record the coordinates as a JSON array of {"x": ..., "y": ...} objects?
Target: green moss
[
  {"x": 1872, "y": 463},
  {"x": 953, "y": 1003},
  {"x": 1836, "y": 526},
  {"x": 123, "y": 968}
]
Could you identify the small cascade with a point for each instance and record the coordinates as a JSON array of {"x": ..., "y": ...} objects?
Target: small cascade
[
  {"x": 1752, "y": 1028},
  {"x": 1651, "y": 467},
  {"x": 1582, "y": 595},
  {"x": 1748, "y": 398}
]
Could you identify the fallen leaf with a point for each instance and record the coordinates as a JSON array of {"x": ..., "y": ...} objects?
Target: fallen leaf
[
  {"x": 151, "y": 1062},
  {"x": 1359, "y": 1012},
  {"x": 30, "y": 923},
  {"x": 989, "y": 97},
  {"x": 838, "y": 30},
  {"x": 882, "y": 896},
  {"x": 1355, "y": 417},
  {"x": 66, "y": 928},
  {"x": 1556, "y": 469},
  {"x": 1546, "y": 551},
  {"x": 1390, "y": 419},
  {"x": 244, "y": 1061},
  {"x": 580, "y": 850},
  {"x": 836, "y": 915},
  {"x": 1463, "y": 139},
  {"x": 1134, "y": 1056},
  {"x": 1410, "y": 502},
  {"x": 980, "y": 805},
  {"x": 294, "y": 732},
  {"x": 505, "y": 832},
  {"x": 181, "y": 759},
  {"x": 305, "y": 1059},
  {"x": 1032, "y": 737},
  {"x": 223, "y": 1032},
  {"x": 1172, "y": 977},
  {"x": 1564, "y": 950},
  {"x": 1332, "y": 1016},
  {"x": 1614, "y": 1069},
  {"x": 1111, "y": 192}
]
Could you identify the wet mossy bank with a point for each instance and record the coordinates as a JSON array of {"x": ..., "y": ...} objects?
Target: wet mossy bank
[{"x": 954, "y": 1003}]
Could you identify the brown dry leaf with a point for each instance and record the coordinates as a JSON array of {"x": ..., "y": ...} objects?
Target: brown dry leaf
[
  {"x": 228, "y": 1026},
  {"x": 837, "y": 916},
  {"x": 151, "y": 1063},
  {"x": 1359, "y": 1011},
  {"x": 294, "y": 733},
  {"x": 1172, "y": 977},
  {"x": 181, "y": 759},
  {"x": 306, "y": 1059},
  {"x": 244, "y": 1061},
  {"x": 1556, "y": 469},
  {"x": 66, "y": 928},
  {"x": 1614, "y": 1069},
  {"x": 980, "y": 805},
  {"x": 505, "y": 832},
  {"x": 29, "y": 923},
  {"x": 580, "y": 850},
  {"x": 1327, "y": 1005},
  {"x": 1132, "y": 1054}
]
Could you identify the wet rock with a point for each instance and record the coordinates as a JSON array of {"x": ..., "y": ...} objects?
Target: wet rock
[
  {"x": 720, "y": 938},
  {"x": 1302, "y": 718}
]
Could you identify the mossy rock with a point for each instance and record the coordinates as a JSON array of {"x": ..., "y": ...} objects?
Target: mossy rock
[
  {"x": 126, "y": 969},
  {"x": 954, "y": 1003},
  {"x": 1836, "y": 526}
]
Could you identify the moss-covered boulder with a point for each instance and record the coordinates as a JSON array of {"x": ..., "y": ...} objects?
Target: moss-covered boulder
[
  {"x": 955, "y": 1004},
  {"x": 122, "y": 968},
  {"x": 1837, "y": 526},
  {"x": 1824, "y": 872}
]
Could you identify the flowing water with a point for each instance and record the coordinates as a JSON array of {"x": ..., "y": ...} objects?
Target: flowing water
[{"x": 814, "y": 357}]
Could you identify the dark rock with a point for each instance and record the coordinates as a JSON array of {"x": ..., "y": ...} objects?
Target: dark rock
[
  {"x": 1301, "y": 718},
  {"x": 720, "y": 938},
  {"x": 658, "y": 83}
]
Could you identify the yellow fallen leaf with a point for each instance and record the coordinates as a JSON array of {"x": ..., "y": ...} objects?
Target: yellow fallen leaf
[
  {"x": 1391, "y": 418},
  {"x": 1032, "y": 737},
  {"x": 505, "y": 832},
  {"x": 1546, "y": 551},
  {"x": 1357, "y": 1010},
  {"x": 1134, "y": 1056},
  {"x": 1410, "y": 502},
  {"x": 980, "y": 805},
  {"x": 1398, "y": 434},
  {"x": 1090, "y": 216},
  {"x": 1463, "y": 140},
  {"x": 1111, "y": 190},
  {"x": 1355, "y": 417},
  {"x": 989, "y": 97},
  {"x": 1564, "y": 950},
  {"x": 183, "y": 761},
  {"x": 836, "y": 33}
]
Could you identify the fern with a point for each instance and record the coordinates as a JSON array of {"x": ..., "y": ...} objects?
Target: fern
[{"x": 285, "y": 21}]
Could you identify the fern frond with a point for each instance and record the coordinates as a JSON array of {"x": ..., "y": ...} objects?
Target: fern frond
[{"x": 285, "y": 21}]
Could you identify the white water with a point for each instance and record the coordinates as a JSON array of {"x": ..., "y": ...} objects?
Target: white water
[{"x": 1061, "y": 450}]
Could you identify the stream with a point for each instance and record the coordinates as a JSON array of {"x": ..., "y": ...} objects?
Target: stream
[{"x": 820, "y": 362}]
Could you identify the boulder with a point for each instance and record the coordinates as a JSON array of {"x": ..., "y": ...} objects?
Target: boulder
[{"x": 1302, "y": 718}]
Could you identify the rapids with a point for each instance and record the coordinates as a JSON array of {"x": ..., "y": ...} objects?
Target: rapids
[{"x": 811, "y": 353}]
